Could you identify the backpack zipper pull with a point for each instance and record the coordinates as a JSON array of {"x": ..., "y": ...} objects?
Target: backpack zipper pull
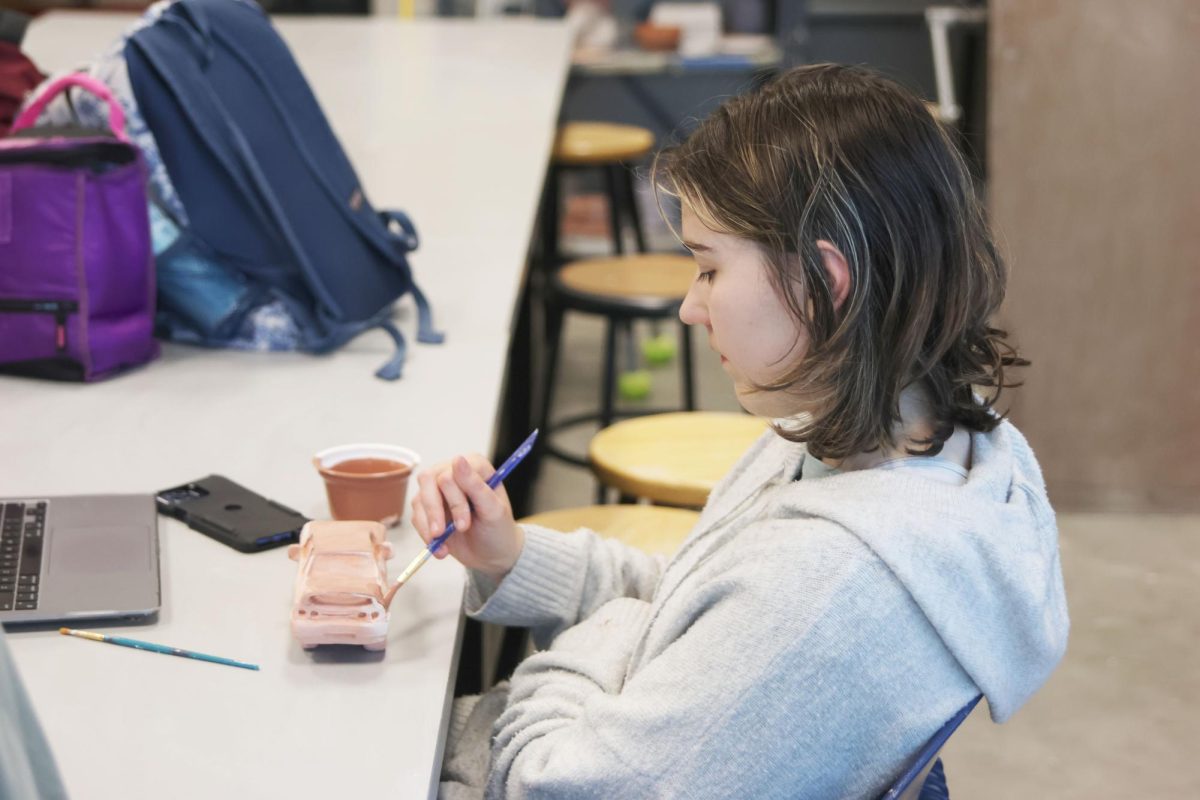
[{"x": 60, "y": 329}]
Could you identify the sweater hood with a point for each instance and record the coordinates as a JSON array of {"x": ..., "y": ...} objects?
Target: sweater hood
[{"x": 981, "y": 560}]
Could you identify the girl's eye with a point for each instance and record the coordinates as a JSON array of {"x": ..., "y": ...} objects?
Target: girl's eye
[{"x": 706, "y": 276}]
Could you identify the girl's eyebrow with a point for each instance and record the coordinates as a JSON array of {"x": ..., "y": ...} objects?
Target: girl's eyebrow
[{"x": 696, "y": 247}]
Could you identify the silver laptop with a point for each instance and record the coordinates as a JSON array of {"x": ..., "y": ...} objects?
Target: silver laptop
[{"x": 69, "y": 559}]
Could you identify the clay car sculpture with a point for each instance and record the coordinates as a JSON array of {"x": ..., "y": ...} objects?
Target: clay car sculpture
[{"x": 341, "y": 584}]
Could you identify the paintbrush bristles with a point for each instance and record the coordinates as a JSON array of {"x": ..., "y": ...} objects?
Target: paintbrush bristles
[
  {"x": 96, "y": 637},
  {"x": 408, "y": 572}
]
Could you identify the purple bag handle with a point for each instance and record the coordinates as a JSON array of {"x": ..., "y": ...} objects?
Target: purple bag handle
[{"x": 116, "y": 117}]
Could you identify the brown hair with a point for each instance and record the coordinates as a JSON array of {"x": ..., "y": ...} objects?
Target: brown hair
[{"x": 843, "y": 154}]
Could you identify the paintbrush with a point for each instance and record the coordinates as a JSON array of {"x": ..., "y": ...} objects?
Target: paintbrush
[
  {"x": 508, "y": 466},
  {"x": 138, "y": 644}
]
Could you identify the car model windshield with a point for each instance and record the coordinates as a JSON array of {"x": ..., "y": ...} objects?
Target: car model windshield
[{"x": 343, "y": 573}]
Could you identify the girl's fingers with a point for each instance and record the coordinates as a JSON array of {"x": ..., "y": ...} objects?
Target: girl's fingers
[
  {"x": 418, "y": 520},
  {"x": 448, "y": 483},
  {"x": 455, "y": 491},
  {"x": 481, "y": 465},
  {"x": 486, "y": 470},
  {"x": 484, "y": 499},
  {"x": 431, "y": 502}
]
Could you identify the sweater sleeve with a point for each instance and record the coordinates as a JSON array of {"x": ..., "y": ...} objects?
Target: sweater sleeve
[
  {"x": 560, "y": 579},
  {"x": 794, "y": 672}
]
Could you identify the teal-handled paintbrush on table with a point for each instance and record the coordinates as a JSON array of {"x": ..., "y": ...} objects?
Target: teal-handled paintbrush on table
[{"x": 138, "y": 644}]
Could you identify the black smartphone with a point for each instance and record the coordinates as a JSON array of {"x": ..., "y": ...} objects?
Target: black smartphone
[{"x": 231, "y": 514}]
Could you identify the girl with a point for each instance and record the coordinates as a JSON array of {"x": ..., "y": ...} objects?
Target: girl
[{"x": 882, "y": 556}]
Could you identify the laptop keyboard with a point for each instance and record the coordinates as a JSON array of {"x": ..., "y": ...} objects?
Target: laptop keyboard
[{"x": 22, "y": 529}]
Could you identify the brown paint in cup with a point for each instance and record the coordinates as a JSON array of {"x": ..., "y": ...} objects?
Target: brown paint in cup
[{"x": 366, "y": 481}]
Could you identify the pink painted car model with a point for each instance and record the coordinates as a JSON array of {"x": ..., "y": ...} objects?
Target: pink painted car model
[{"x": 341, "y": 584}]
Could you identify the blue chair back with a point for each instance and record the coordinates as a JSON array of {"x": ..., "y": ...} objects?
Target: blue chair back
[{"x": 910, "y": 785}]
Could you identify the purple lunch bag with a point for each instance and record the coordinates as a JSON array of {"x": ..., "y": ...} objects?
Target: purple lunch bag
[{"x": 76, "y": 266}]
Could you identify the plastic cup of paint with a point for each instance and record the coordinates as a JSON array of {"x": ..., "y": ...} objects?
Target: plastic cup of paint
[{"x": 366, "y": 481}]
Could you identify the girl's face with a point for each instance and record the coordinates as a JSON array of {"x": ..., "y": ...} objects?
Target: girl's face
[{"x": 748, "y": 324}]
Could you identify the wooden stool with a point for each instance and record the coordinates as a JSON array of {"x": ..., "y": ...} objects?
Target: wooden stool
[
  {"x": 620, "y": 289},
  {"x": 653, "y": 529},
  {"x": 610, "y": 148},
  {"x": 674, "y": 459}
]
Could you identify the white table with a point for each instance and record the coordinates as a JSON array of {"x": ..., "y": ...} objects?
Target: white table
[{"x": 452, "y": 121}]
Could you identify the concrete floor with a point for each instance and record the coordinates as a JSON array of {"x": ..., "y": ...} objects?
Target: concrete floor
[{"x": 1120, "y": 718}]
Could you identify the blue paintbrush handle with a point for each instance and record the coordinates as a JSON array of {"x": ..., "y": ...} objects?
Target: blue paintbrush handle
[{"x": 507, "y": 467}]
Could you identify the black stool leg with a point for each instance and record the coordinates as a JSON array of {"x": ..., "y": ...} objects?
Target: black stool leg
[
  {"x": 553, "y": 332},
  {"x": 520, "y": 396},
  {"x": 609, "y": 389},
  {"x": 628, "y": 175},
  {"x": 628, "y": 344},
  {"x": 610, "y": 374},
  {"x": 549, "y": 221},
  {"x": 631, "y": 208},
  {"x": 470, "y": 660},
  {"x": 512, "y": 650},
  {"x": 685, "y": 360},
  {"x": 612, "y": 178}
]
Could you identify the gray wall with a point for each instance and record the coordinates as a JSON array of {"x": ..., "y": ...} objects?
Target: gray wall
[{"x": 1095, "y": 193}]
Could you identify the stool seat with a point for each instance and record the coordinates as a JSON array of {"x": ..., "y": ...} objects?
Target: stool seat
[
  {"x": 646, "y": 283},
  {"x": 652, "y": 529},
  {"x": 675, "y": 458},
  {"x": 591, "y": 143}
]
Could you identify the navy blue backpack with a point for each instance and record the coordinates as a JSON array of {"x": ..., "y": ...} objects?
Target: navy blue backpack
[{"x": 270, "y": 197}]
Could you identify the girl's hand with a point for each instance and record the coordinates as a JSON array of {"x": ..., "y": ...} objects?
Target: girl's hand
[{"x": 487, "y": 539}]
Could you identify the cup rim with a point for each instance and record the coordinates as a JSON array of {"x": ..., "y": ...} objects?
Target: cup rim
[{"x": 330, "y": 457}]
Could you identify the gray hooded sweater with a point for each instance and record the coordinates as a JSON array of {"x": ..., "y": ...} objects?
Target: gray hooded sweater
[{"x": 804, "y": 642}]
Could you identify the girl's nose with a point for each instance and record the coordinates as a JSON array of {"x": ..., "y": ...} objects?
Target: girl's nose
[{"x": 693, "y": 311}]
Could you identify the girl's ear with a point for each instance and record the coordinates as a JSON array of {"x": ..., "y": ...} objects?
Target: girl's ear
[{"x": 838, "y": 271}]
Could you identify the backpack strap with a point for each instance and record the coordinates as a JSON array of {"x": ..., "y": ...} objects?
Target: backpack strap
[
  {"x": 395, "y": 365},
  {"x": 426, "y": 334},
  {"x": 400, "y": 227},
  {"x": 407, "y": 233}
]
